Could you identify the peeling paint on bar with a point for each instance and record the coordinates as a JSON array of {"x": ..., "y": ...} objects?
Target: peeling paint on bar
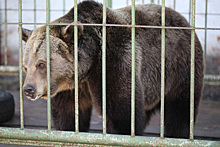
[
  {"x": 104, "y": 69},
  {"x": 133, "y": 71},
  {"x": 21, "y": 65},
  {"x": 162, "y": 70},
  {"x": 192, "y": 70},
  {"x": 48, "y": 64},
  {"x": 95, "y": 138},
  {"x": 76, "y": 68}
]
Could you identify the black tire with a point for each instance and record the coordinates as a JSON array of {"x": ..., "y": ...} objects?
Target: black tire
[{"x": 7, "y": 106}]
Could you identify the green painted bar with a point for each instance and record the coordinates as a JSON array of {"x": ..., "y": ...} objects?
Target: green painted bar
[
  {"x": 95, "y": 138},
  {"x": 109, "y": 3},
  {"x": 64, "y": 6},
  {"x": 104, "y": 68},
  {"x": 174, "y": 4},
  {"x": 133, "y": 71},
  {"x": 76, "y": 68},
  {"x": 21, "y": 65},
  {"x": 48, "y": 65},
  {"x": 205, "y": 42},
  {"x": 6, "y": 35},
  {"x": 190, "y": 6},
  {"x": 192, "y": 70},
  {"x": 162, "y": 70},
  {"x": 152, "y": 1},
  {"x": 35, "y": 14}
]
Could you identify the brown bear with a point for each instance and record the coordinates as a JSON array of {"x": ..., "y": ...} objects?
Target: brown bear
[{"x": 118, "y": 66}]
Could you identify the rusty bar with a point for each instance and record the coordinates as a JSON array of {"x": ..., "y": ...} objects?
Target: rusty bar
[
  {"x": 21, "y": 65},
  {"x": 192, "y": 70},
  {"x": 162, "y": 70},
  {"x": 104, "y": 68},
  {"x": 48, "y": 65},
  {"x": 96, "y": 138},
  {"x": 76, "y": 68},
  {"x": 133, "y": 71}
]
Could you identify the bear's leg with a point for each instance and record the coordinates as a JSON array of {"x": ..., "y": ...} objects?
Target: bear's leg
[
  {"x": 177, "y": 116},
  {"x": 119, "y": 112},
  {"x": 63, "y": 111}
]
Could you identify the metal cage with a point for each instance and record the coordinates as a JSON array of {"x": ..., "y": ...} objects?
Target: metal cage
[{"x": 50, "y": 137}]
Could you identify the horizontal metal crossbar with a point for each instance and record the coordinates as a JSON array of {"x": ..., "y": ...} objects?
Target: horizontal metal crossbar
[
  {"x": 58, "y": 137},
  {"x": 115, "y": 25}
]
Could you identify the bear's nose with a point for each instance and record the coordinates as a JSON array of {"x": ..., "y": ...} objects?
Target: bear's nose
[{"x": 29, "y": 90}]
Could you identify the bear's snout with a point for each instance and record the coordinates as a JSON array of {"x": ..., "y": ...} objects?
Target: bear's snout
[{"x": 29, "y": 90}]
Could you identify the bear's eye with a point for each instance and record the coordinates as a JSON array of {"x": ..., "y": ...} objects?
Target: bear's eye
[
  {"x": 25, "y": 69},
  {"x": 41, "y": 65}
]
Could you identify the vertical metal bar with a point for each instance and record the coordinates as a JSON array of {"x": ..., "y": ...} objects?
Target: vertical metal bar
[
  {"x": 192, "y": 69},
  {"x": 205, "y": 44},
  {"x": 109, "y": 3},
  {"x": 158, "y": 2},
  {"x": 162, "y": 69},
  {"x": 76, "y": 68},
  {"x": 104, "y": 68},
  {"x": 64, "y": 6},
  {"x": 48, "y": 64},
  {"x": 190, "y": 5},
  {"x": 6, "y": 35},
  {"x": 133, "y": 72},
  {"x": 35, "y": 15},
  {"x": 127, "y": 2},
  {"x": 21, "y": 64},
  {"x": 142, "y": 1},
  {"x": 174, "y": 4},
  {"x": 152, "y": 1}
]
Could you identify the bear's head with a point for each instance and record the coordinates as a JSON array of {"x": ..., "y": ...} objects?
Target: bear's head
[{"x": 61, "y": 60}]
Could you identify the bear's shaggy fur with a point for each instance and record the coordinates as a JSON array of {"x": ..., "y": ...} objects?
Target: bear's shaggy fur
[{"x": 118, "y": 66}]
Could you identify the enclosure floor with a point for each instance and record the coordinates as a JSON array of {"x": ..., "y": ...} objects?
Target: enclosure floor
[{"x": 35, "y": 112}]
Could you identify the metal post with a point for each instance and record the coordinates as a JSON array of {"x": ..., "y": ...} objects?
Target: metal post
[
  {"x": 35, "y": 15},
  {"x": 109, "y": 3},
  {"x": 190, "y": 2},
  {"x": 21, "y": 65},
  {"x": 48, "y": 64},
  {"x": 174, "y": 4},
  {"x": 205, "y": 42},
  {"x": 104, "y": 68},
  {"x": 127, "y": 2},
  {"x": 192, "y": 69},
  {"x": 6, "y": 35},
  {"x": 76, "y": 68},
  {"x": 64, "y": 6},
  {"x": 133, "y": 72},
  {"x": 162, "y": 69}
]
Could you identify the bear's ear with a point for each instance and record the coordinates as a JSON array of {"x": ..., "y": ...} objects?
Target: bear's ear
[
  {"x": 68, "y": 32},
  {"x": 26, "y": 34}
]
